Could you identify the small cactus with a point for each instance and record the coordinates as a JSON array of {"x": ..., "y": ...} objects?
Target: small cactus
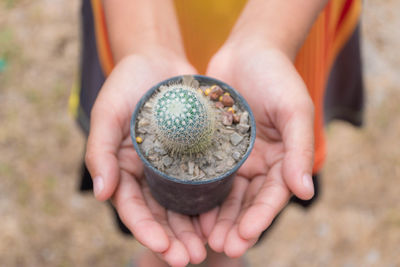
[{"x": 183, "y": 119}]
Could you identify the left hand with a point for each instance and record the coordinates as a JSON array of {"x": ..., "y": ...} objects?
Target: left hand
[{"x": 282, "y": 159}]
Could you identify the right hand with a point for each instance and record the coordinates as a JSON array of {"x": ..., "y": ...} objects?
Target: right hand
[{"x": 117, "y": 170}]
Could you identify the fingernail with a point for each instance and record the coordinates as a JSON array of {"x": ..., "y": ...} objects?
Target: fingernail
[
  {"x": 98, "y": 185},
  {"x": 307, "y": 182}
]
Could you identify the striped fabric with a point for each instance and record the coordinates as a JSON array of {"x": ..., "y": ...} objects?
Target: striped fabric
[
  {"x": 327, "y": 37},
  {"x": 201, "y": 22}
]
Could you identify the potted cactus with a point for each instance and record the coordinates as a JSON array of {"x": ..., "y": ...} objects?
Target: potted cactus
[
  {"x": 192, "y": 134},
  {"x": 183, "y": 120}
]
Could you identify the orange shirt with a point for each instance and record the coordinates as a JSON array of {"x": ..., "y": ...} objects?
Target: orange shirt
[{"x": 200, "y": 22}]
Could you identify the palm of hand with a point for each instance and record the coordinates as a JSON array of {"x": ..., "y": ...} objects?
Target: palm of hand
[{"x": 282, "y": 152}]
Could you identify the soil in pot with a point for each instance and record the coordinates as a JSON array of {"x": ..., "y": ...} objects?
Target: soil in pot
[{"x": 229, "y": 141}]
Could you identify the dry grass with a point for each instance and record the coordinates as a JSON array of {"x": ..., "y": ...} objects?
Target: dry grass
[{"x": 45, "y": 222}]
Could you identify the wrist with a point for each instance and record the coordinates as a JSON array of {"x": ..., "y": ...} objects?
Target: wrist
[
  {"x": 135, "y": 26},
  {"x": 276, "y": 25},
  {"x": 149, "y": 49},
  {"x": 250, "y": 41},
  {"x": 241, "y": 50},
  {"x": 162, "y": 59},
  {"x": 155, "y": 51}
]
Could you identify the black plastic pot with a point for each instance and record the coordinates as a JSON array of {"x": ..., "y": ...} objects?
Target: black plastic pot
[{"x": 190, "y": 197}]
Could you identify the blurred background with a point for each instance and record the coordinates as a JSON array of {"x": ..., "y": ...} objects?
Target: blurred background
[{"x": 44, "y": 221}]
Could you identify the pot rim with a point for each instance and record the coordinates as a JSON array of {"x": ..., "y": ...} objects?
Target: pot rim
[{"x": 201, "y": 79}]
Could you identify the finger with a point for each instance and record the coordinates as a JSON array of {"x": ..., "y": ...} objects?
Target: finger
[
  {"x": 268, "y": 202},
  {"x": 227, "y": 215},
  {"x": 197, "y": 227},
  {"x": 135, "y": 214},
  {"x": 208, "y": 220},
  {"x": 101, "y": 151},
  {"x": 298, "y": 139},
  {"x": 176, "y": 254},
  {"x": 235, "y": 245},
  {"x": 185, "y": 231}
]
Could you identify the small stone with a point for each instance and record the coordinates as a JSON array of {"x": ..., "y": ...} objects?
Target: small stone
[
  {"x": 148, "y": 105},
  {"x": 203, "y": 162},
  {"x": 219, "y": 155},
  {"x": 207, "y": 91},
  {"x": 236, "y": 155},
  {"x": 210, "y": 172},
  {"x": 139, "y": 140},
  {"x": 244, "y": 118},
  {"x": 201, "y": 174},
  {"x": 183, "y": 167},
  {"x": 153, "y": 157},
  {"x": 236, "y": 118},
  {"x": 216, "y": 92},
  {"x": 219, "y": 105},
  {"x": 141, "y": 130},
  {"x": 226, "y": 131},
  {"x": 220, "y": 168},
  {"x": 167, "y": 161},
  {"x": 143, "y": 123},
  {"x": 236, "y": 139},
  {"x": 209, "y": 158},
  {"x": 161, "y": 151},
  {"x": 163, "y": 88},
  {"x": 230, "y": 162},
  {"x": 147, "y": 146},
  {"x": 243, "y": 128},
  {"x": 196, "y": 171},
  {"x": 225, "y": 147},
  {"x": 243, "y": 145},
  {"x": 190, "y": 167},
  {"x": 227, "y": 100},
  {"x": 227, "y": 118}
]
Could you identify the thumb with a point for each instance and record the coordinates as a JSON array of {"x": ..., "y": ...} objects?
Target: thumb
[
  {"x": 102, "y": 147},
  {"x": 298, "y": 138}
]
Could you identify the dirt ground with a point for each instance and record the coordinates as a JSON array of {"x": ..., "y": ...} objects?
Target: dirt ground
[{"x": 45, "y": 222}]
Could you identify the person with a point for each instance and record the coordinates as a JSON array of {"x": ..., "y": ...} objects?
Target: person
[{"x": 277, "y": 54}]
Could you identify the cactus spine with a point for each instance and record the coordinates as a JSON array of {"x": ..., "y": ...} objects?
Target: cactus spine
[{"x": 183, "y": 119}]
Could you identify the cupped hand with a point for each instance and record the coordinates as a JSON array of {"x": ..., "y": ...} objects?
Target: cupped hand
[
  {"x": 281, "y": 162},
  {"x": 118, "y": 172}
]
